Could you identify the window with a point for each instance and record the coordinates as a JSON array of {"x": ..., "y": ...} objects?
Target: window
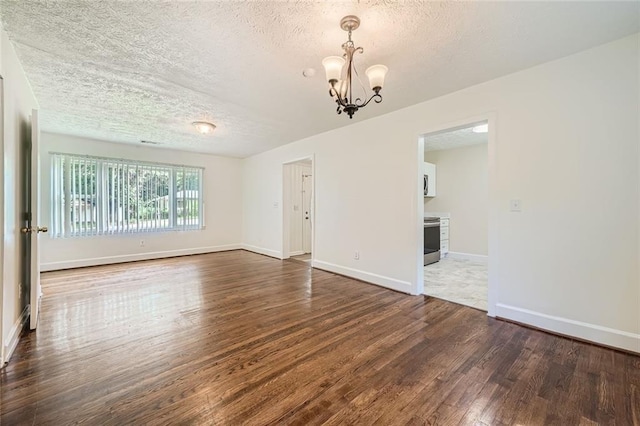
[{"x": 97, "y": 196}]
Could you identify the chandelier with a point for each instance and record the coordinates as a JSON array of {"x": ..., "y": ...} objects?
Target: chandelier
[{"x": 341, "y": 85}]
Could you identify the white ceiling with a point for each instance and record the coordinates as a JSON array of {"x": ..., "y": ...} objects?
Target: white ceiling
[
  {"x": 454, "y": 139},
  {"x": 126, "y": 71}
]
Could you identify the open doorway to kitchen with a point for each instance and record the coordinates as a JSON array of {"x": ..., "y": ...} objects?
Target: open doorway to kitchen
[
  {"x": 456, "y": 214},
  {"x": 298, "y": 203}
]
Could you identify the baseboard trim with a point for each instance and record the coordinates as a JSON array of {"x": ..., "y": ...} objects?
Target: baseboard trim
[
  {"x": 571, "y": 328},
  {"x": 381, "y": 280},
  {"x": 296, "y": 253},
  {"x": 468, "y": 256},
  {"x": 14, "y": 334},
  {"x": 81, "y": 263},
  {"x": 260, "y": 250}
]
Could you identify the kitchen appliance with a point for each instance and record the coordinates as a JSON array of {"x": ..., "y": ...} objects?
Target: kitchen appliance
[
  {"x": 431, "y": 240},
  {"x": 426, "y": 185},
  {"x": 429, "y": 176}
]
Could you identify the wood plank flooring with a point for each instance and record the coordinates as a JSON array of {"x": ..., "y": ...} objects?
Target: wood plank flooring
[{"x": 239, "y": 338}]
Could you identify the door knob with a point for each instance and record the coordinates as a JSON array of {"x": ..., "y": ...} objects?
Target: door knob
[{"x": 27, "y": 230}]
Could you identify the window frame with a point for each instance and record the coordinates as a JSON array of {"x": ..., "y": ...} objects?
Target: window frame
[{"x": 61, "y": 166}]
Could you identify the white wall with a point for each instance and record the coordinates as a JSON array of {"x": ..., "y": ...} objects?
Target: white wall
[
  {"x": 19, "y": 101},
  {"x": 223, "y": 204},
  {"x": 565, "y": 143},
  {"x": 463, "y": 191}
]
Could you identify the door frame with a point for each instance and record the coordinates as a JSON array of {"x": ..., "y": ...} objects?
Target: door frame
[
  {"x": 2, "y": 281},
  {"x": 286, "y": 206},
  {"x": 491, "y": 119},
  {"x": 35, "y": 221},
  {"x": 307, "y": 228}
]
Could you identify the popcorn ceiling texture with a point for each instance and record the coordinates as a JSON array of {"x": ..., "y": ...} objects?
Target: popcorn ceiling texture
[
  {"x": 126, "y": 71},
  {"x": 454, "y": 139}
]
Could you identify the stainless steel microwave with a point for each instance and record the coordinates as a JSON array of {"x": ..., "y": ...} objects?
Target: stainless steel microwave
[{"x": 426, "y": 185}]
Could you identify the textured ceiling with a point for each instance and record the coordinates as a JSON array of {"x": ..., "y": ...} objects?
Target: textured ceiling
[
  {"x": 126, "y": 71},
  {"x": 454, "y": 139}
]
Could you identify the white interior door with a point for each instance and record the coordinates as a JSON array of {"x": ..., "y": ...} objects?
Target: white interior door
[
  {"x": 307, "y": 197},
  {"x": 34, "y": 225}
]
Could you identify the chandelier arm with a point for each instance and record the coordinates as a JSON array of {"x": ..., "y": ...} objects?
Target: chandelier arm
[
  {"x": 350, "y": 86},
  {"x": 350, "y": 52},
  {"x": 364, "y": 90},
  {"x": 376, "y": 96},
  {"x": 338, "y": 99}
]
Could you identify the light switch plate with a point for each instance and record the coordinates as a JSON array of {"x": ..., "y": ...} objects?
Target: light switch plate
[{"x": 515, "y": 205}]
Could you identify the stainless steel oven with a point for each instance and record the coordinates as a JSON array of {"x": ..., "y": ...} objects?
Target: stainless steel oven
[{"x": 431, "y": 240}]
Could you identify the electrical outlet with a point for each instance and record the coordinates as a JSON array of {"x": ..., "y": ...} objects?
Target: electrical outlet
[
  {"x": 356, "y": 255},
  {"x": 141, "y": 243},
  {"x": 515, "y": 205}
]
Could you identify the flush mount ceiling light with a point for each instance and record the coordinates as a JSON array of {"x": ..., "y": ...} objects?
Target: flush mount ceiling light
[
  {"x": 482, "y": 128},
  {"x": 204, "y": 127},
  {"x": 341, "y": 87}
]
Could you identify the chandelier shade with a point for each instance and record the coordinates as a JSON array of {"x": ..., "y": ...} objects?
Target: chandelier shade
[
  {"x": 376, "y": 75},
  {"x": 340, "y": 89},
  {"x": 333, "y": 67},
  {"x": 340, "y": 78}
]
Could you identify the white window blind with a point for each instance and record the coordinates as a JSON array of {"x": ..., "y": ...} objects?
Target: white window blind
[{"x": 97, "y": 196}]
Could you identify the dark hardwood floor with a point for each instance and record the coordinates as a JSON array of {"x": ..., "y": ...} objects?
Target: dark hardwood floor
[{"x": 239, "y": 338}]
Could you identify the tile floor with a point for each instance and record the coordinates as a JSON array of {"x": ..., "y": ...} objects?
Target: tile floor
[{"x": 459, "y": 281}]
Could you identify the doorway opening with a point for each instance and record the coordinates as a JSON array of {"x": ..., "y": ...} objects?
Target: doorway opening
[
  {"x": 456, "y": 214},
  {"x": 298, "y": 210}
]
